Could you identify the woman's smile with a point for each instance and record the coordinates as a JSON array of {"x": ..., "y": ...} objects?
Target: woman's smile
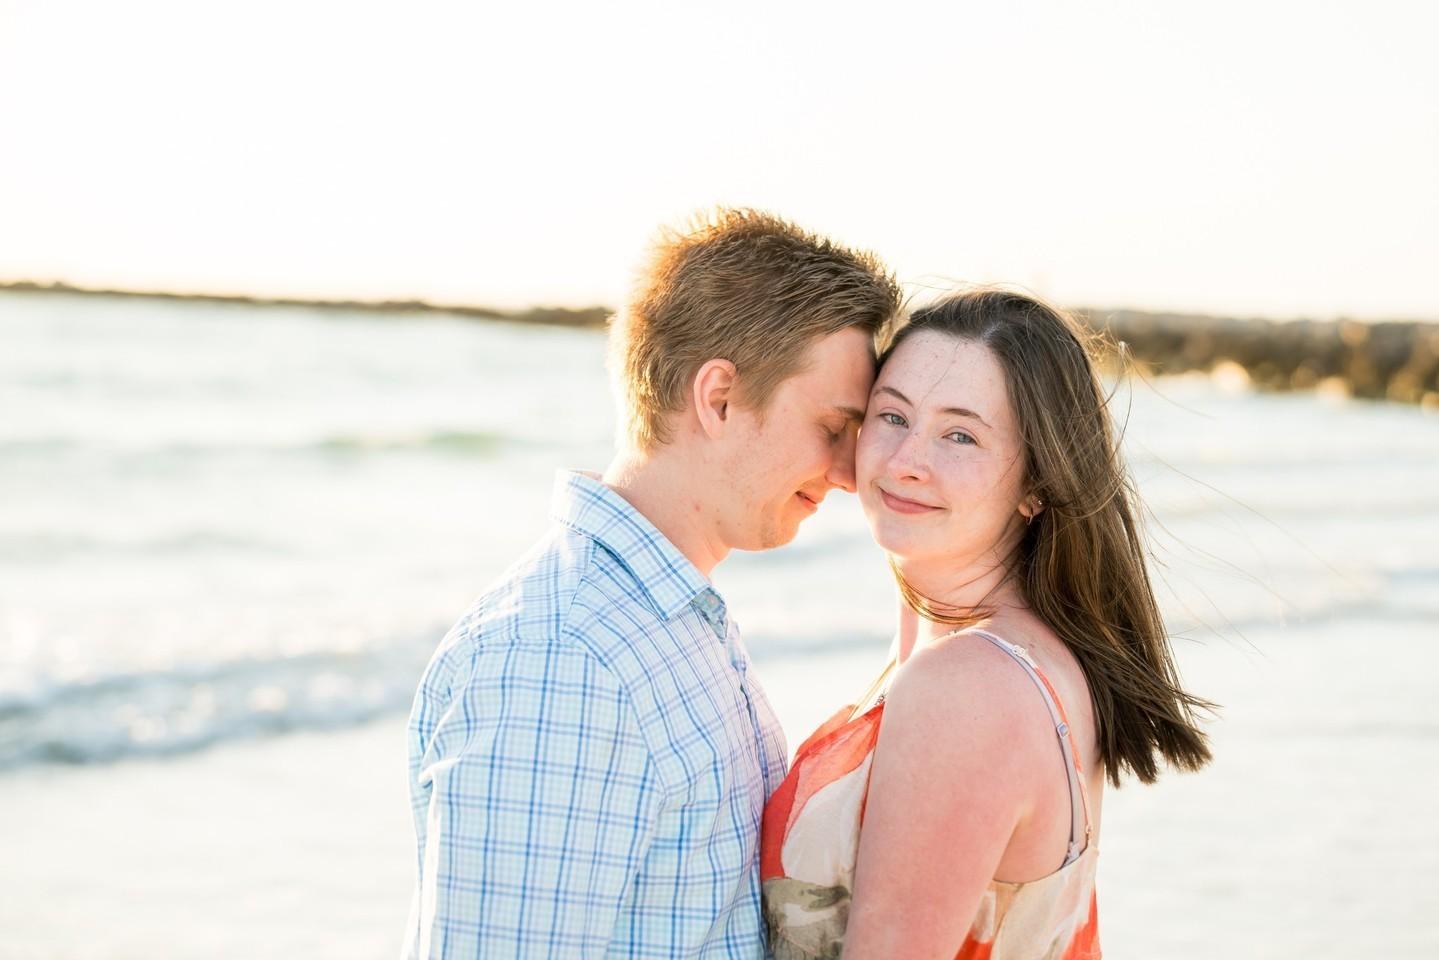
[{"x": 904, "y": 505}]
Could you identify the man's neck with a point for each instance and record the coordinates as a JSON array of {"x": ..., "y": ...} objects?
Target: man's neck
[{"x": 670, "y": 493}]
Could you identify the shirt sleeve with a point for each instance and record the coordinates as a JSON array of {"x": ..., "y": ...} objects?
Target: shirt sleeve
[{"x": 534, "y": 797}]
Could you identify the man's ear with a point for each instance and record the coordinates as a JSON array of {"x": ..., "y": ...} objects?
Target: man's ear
[{"x": 713, "y": 390}]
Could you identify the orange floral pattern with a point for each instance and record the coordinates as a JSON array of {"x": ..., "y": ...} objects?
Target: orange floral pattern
[{"x": 809, "y": 842}]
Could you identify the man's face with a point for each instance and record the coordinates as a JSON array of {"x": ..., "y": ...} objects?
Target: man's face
[{"x": 784, "y": 463}]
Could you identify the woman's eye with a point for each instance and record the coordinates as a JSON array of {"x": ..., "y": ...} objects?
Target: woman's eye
[
  {"x": 892, "y": 418},
  {"x": 959, "y": 436}
]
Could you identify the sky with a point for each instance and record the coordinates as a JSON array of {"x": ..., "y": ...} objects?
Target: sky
[{"x": 1254, "y": 158}]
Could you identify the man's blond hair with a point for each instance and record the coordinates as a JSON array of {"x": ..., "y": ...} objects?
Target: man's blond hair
[{"x": 743, "y": 286}]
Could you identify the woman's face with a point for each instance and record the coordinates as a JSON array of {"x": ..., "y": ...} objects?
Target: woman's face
[{"x": 939, "y": 465}]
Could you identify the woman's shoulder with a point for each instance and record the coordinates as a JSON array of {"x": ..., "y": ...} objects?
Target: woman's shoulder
[
  {"x": 966, "y": 662},
  {"x": 963, "y": 697}
]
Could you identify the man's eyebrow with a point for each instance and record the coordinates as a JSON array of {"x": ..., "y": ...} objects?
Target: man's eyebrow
[
  {"x": 955, "y": 411},
  {"x": 849, "y": 413}
]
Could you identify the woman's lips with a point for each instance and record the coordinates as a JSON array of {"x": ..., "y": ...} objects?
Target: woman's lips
[{"x": 901, "y": 505}]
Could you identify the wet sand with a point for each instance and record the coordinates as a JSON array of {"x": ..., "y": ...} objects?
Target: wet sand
[{"x": 1309, "y": 836}]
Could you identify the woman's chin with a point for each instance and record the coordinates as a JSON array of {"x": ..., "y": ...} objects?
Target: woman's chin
[{"x": 900, "y": 544}]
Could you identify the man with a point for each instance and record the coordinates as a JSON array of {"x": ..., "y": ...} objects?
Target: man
[{"x": 589, "y": 752}]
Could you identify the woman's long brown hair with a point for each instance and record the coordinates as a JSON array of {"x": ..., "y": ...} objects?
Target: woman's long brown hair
[{"x": 1081, "y": 562}]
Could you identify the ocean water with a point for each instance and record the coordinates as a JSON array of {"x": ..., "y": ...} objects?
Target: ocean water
[{"x": 238, "y": 532}]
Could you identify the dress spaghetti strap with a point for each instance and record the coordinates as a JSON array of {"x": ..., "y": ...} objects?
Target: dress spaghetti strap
[{"x": 1079, "y": 827}]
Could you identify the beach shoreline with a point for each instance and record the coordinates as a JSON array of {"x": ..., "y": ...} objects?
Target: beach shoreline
[{"x": 303, "y": 844}]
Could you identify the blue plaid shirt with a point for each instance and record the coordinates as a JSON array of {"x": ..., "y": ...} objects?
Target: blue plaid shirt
[{"x": 590, "y": 756}]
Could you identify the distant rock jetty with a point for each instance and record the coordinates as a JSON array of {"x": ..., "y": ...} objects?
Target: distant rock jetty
[
  {"x": 1396, "y": 361},
  {"x": 551, "y": 316}
]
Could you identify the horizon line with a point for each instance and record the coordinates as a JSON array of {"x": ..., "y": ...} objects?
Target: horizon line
[{"x": 595, "y": 315}]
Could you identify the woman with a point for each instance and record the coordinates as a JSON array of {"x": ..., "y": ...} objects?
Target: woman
[{"x": 1036, "y": 668}]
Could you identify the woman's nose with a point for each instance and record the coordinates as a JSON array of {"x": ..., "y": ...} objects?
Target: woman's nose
[{"x": 909, "y": 460}]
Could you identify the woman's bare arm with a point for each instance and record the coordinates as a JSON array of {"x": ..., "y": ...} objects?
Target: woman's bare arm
[{"x": 950, "y": 784}]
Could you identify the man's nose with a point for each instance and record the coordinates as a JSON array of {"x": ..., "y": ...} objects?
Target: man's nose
[{"x": 841, "y": 468}]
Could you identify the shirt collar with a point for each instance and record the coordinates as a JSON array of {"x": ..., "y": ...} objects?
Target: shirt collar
[{"x": 669, "y": 580}]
